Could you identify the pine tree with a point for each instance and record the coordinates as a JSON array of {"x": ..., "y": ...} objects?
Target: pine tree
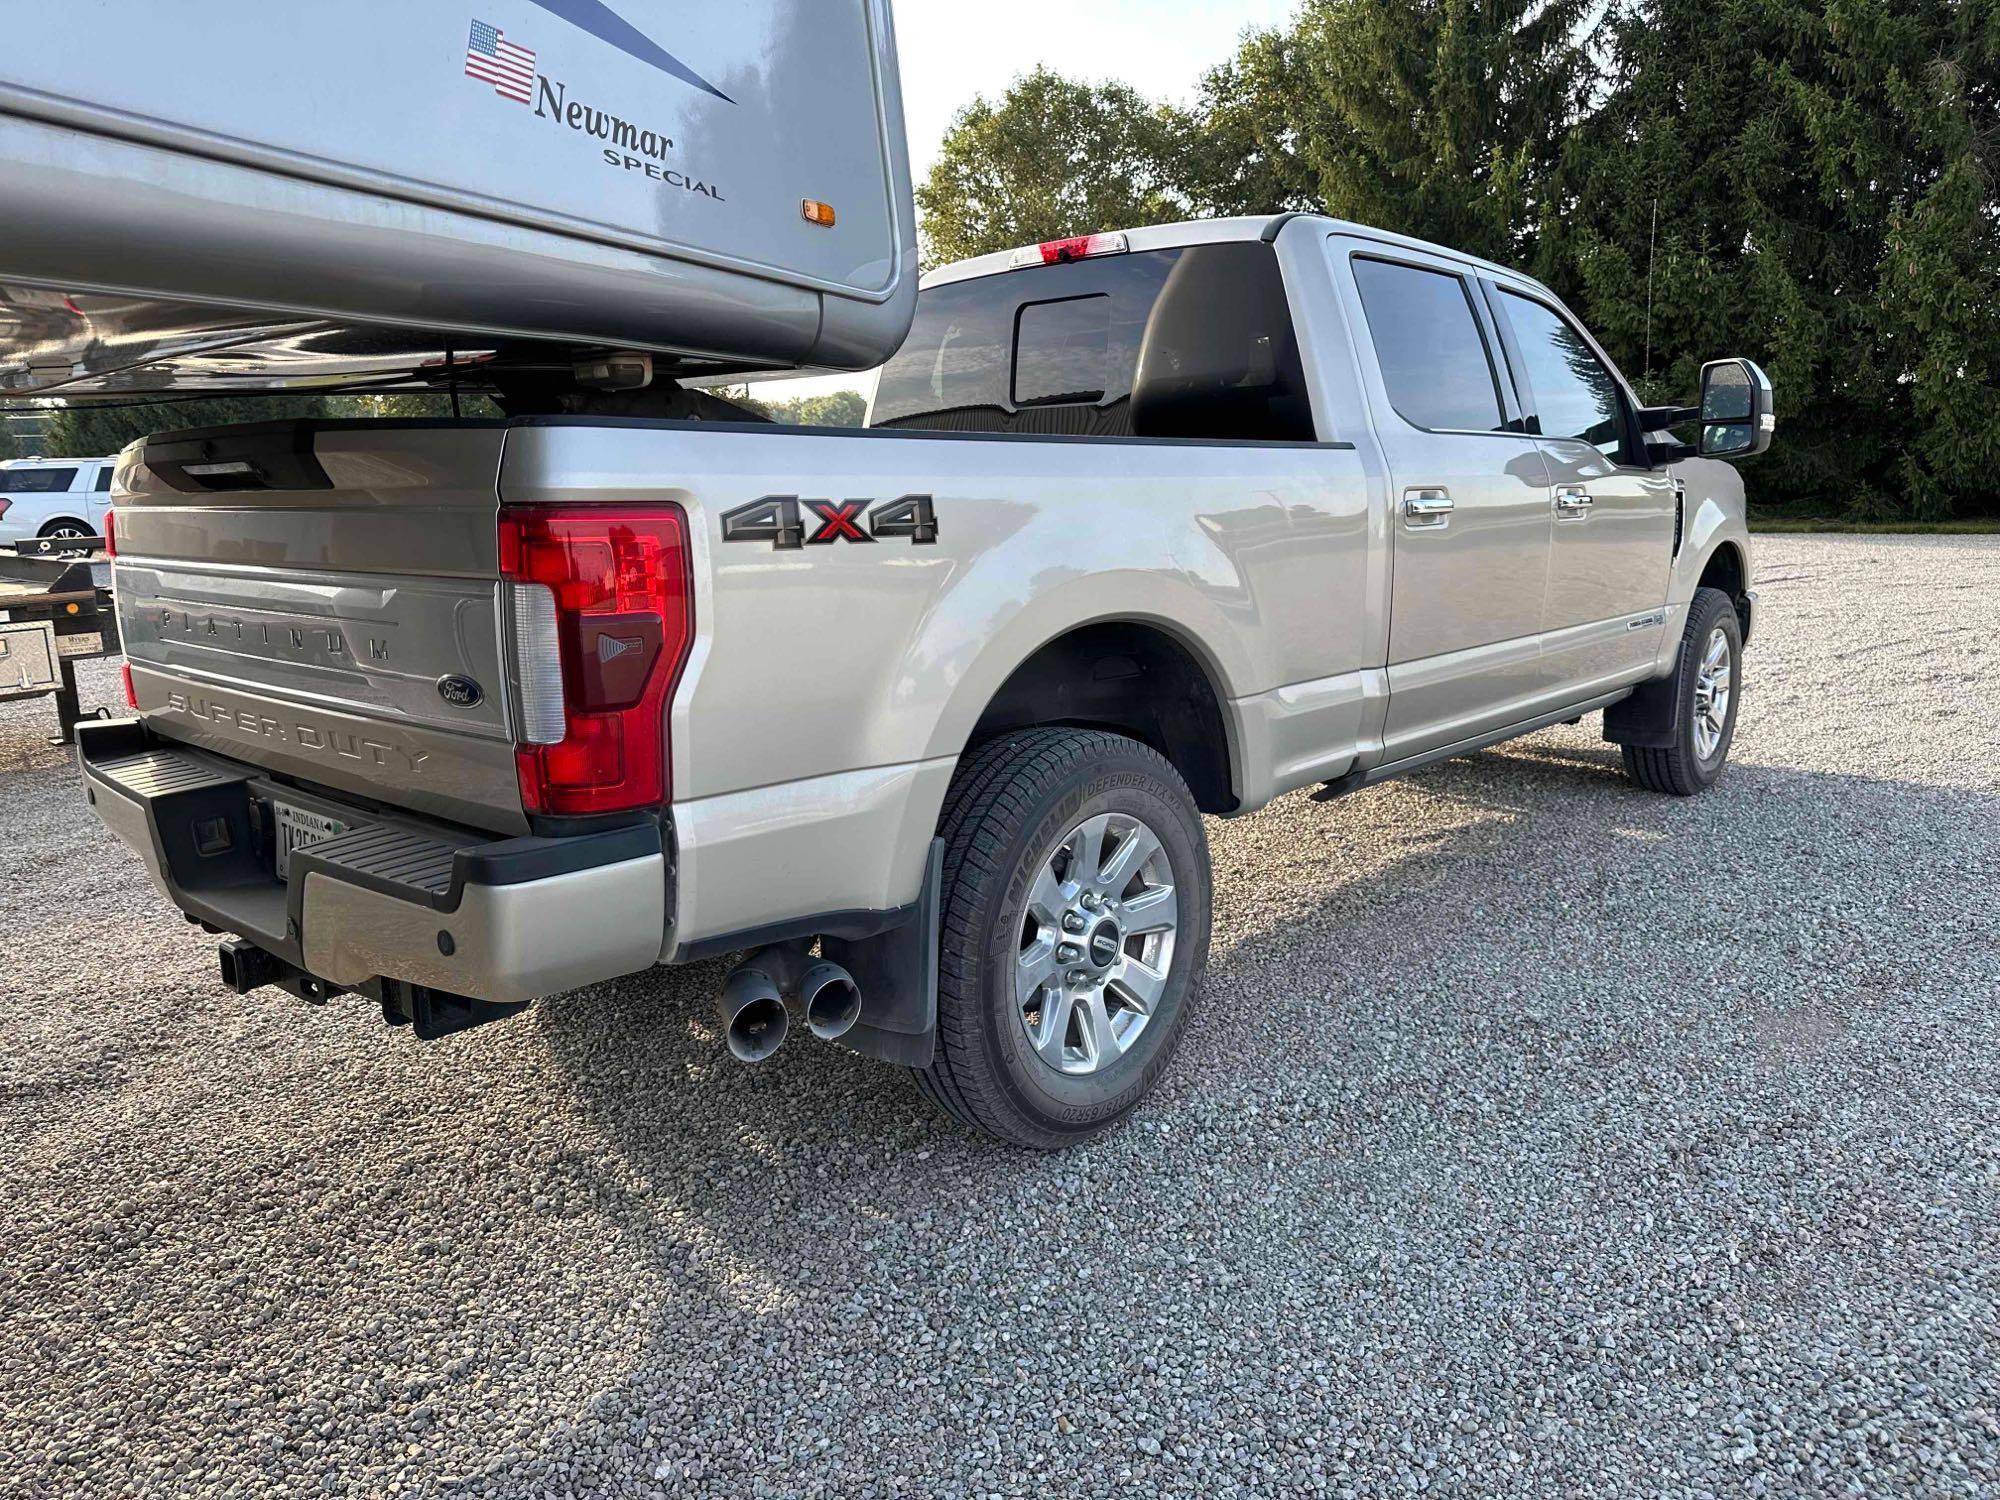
[
  {"x": 1807, "y": 182},
  {"x": 1442, "y": 119}
]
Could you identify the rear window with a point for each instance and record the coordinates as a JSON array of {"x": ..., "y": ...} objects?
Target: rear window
[
  {"x": 35, "y": 481},
  {"x": 1062, "y": 351},
  {"x": 1194, "y": 342}
]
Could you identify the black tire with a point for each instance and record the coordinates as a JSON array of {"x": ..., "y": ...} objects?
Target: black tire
[
  {"x": 1013, "y": 802},
  {"x": 66, "y": 526},
  {"x": 1681, "y": 769}
]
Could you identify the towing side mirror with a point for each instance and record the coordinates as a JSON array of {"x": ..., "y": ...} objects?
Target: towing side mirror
[{"x": 1737, "y": 419}]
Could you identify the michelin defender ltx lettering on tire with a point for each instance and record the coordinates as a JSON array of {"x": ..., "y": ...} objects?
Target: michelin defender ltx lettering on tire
[
  {"x": 1075, "y": 930},
  {"x": 1707, "y": 692}
]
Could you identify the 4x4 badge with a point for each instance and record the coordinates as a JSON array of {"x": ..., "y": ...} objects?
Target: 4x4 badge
[{"x": 782, "y": 520}]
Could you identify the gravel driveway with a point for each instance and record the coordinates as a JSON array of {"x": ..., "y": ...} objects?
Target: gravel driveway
[{"x": 1535, "y": 1137}]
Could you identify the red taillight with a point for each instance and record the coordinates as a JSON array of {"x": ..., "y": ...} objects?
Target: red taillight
[
  {"x": 110, "y": 531},
  {"x": 603, "y": 617},
  {"x": 131, "y": 693},
  {"x": 1062, "y": 252},
  {"x": 4, "y": 503}
]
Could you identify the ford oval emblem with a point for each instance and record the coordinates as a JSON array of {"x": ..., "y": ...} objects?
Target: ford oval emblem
[{"x": 461, "y": 692}]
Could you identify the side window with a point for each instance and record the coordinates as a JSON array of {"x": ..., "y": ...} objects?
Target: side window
[
  {"x": 37, "y": 481},
  {"x": 104, "y": 473},
  {"x": 1574, "y": 395},
  {"x": 1427, "y": 341}
]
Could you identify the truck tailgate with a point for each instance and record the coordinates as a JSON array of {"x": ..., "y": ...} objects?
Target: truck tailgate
[{"x": 322, "y": 601}]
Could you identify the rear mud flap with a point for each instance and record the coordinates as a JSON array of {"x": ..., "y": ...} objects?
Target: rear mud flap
[{"x": 897, "y": 973}]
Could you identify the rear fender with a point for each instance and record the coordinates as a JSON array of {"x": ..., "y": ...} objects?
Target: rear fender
[{"x": 981, "y": 663}]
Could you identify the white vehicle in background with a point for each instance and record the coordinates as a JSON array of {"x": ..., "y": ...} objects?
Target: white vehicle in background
[{"x": 54, "y": 497}]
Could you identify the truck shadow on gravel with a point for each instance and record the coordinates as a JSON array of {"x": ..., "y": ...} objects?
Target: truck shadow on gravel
[{"x": 1461, "y": 991}]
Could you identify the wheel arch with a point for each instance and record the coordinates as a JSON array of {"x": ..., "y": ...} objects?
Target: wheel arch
[
  {"x": 1725, "y": 568},
  {"x": 1135, "y": 674}
]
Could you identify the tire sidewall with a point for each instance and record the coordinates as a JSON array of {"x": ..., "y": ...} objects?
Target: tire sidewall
[
  {"x": 1116, "y": 782},
  {"x": 1712, "y": 610}
]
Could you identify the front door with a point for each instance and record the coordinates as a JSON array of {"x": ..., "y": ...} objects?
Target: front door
[
  {"x": 1472, "y": 515},
  {"x": 1612, "y": 541}
]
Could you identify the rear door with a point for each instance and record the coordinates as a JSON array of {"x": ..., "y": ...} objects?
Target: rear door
[
  {"x": 1471, "y": 499},
  {"x": 1612, "y": 538},
  {"x": 99, "y": 484}
]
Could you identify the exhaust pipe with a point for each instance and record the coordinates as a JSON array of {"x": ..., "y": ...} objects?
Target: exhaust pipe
[
  {"x": 831, "y": 999},
  {"x": 753, "y": 1015}
]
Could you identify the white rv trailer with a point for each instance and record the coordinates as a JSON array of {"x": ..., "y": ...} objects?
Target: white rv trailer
[{"x": 240, "y": 194}]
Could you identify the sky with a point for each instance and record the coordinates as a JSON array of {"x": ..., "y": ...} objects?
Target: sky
[{"x": 953, "y": 49}]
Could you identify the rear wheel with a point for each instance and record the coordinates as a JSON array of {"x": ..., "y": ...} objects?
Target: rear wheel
[
  {"x": 63, "y": 528},
  {"x": 1075, "y": 927},
  {"x": 1708, "y": 683}
]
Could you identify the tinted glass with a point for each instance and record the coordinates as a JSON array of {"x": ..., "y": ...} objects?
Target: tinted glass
[
  {"x": 104, "y": 478},
  {"x": 1574, "y": 395},
  {"x": 1428, "y": 343},
  {"x": 35, "y": 481},
  {"x": 1081, "y": 326},
  {"x": 1221, "y": 358},
  {"x": 1062, "y": 351}
]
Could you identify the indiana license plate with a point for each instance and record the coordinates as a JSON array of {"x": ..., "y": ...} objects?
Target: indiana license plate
[{"x": 298, "y": 829}]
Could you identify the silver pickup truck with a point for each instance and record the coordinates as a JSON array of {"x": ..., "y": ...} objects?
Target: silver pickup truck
[{"x": 923, "y": 717}]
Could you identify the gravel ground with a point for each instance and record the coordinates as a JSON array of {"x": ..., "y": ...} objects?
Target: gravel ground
[{"x": 1535, "y": 1137}]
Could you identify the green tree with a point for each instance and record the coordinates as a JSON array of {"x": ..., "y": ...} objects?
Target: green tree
[
  {"x": 1259, "y": 119},
  {"x": 10, "y": 446},
  {"x": 87, "y": 430},
  {"x": 1437, "y": 118},
  {"x": 408, "y": 404},
  {"x": 836, "y": 409},
  {"x": 1055, "y": 157},
  {"x": 1809, "y": 182}
]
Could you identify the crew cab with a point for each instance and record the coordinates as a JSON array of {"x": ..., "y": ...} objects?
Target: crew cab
[{"x": 925, "y": 717}]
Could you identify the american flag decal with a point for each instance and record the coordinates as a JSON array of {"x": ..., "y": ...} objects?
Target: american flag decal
[{"x": 508, "y": 66}]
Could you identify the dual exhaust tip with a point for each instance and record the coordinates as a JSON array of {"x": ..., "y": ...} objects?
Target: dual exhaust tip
[{"x": 755, "y": 1016}]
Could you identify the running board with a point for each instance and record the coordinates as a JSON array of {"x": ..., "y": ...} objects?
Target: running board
[{"x": 1354, "y": 781}]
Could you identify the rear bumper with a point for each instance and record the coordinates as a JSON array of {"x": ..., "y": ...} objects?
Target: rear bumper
[{"x": 500, "y": 921}]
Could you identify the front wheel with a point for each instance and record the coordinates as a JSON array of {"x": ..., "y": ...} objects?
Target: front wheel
[
  {"x": 1707, "y": 691},
  {"x": 1075, "y": 928}
]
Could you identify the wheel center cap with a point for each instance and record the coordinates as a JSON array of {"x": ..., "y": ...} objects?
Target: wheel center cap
[{"x": 1106, "y": 942}]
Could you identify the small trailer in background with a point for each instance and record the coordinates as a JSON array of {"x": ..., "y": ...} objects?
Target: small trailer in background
[{"x": 55, "y": 611}]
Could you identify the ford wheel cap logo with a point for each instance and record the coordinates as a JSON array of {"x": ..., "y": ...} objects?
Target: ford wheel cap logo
[{"x": 461, "y": 692}]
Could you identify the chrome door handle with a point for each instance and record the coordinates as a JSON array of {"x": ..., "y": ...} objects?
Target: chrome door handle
[
  {"x": 1573, "y": 503},
  {"x": 1427, "y": 510}
]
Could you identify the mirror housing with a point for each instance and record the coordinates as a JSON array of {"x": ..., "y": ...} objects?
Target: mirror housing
[{"x": 1737, "y": 417}]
